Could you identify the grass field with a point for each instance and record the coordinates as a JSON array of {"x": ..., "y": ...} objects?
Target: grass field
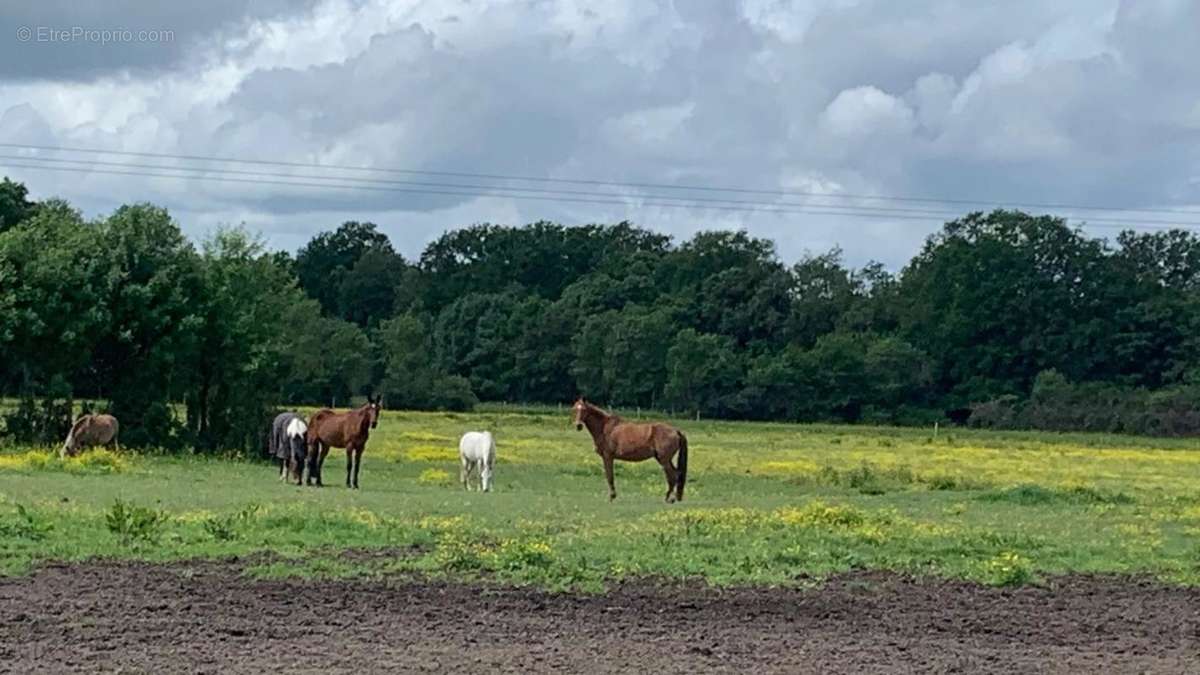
[{"x": 765, "y": 503}]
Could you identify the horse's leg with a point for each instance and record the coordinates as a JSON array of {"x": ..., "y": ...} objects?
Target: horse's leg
[
  {"x": 316, "y": 455},
  {"x": 321, "y": 463},
  {"x": 669, "y": 470},
  {"x": 357, "y": 463},
  {"x": 349, "y": 462},
  {"x": 608, "y": 475},
  {"x": 463, "y": 472}
]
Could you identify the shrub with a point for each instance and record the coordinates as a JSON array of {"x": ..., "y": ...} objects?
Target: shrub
[
  {"x": 227, "y": 527},
  {"x": 133, "y": 523},
  {"x": 25, "y": 526},
  {"x": 999, "y": 413}
]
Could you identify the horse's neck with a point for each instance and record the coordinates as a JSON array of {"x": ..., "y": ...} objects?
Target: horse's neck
[
  {"x": 599, "y": 423},
  {"x": 362, "y": 421}
]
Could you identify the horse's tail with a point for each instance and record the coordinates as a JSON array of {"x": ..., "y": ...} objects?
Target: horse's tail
[{"x": 682, "y": 466}]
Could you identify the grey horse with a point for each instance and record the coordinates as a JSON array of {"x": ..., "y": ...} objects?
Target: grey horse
[{"x": 288, "y": 444}]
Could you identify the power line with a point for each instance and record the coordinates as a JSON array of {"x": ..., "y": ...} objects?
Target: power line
[
  {"x": 453, "y": 193},
  {"x": 847, "y": 212},
  {"x": 579, "y": 181},
  {"x": 571, "y": 196},
  {"x": 687, "y": 201}
]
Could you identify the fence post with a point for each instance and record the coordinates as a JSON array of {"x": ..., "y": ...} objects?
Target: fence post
[{"x": 935, "y": 431}]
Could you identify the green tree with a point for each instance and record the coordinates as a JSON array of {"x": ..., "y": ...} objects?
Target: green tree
[
  {"x": 332, "y": 360},
  {"x": 543, "y": 258},
  {"x": 703, "y": 373},
  {"x": 623, "y": 354},
  {"x": 325, "y": 262},
  {"x": 411, "y": 380},
  {"x": 998, "y": 298},
  {"x": 53, "y": 299},
  {"x": 253, "y": 311},
  {"x": 825, "y": 293},
  {"x": 369, "y": 290},
  {"x": 155, "y": 295},
  {"x": 14, "y": 204}
]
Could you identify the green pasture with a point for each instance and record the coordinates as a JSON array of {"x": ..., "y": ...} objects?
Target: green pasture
[{"x": 765, "y": 503}]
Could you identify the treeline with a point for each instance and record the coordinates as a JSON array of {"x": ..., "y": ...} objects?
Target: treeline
[{"x": 1026, "y": 321}]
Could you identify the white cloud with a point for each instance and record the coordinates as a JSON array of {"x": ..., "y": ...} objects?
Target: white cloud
[{"x": 866, "y": 111}]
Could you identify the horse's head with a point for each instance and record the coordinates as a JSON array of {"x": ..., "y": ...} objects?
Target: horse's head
[
  {"x": 580, "y": 409},
  {"x": 373, "y": 410}
]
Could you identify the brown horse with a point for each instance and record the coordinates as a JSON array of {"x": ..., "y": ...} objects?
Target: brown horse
[
  {"x": 634, "y": 442},
  {"x": 349, "y": 430},
  {"x": 91, "y": 430}
]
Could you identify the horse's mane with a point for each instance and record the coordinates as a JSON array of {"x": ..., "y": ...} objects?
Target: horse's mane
[
  {"x": 77, "y": 425},
  {"x": 604, "y": 413}
]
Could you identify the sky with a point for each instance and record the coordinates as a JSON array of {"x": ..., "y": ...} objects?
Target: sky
[{"x": 849, "y": 105}]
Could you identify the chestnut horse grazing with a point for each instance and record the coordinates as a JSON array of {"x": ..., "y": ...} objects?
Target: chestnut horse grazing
[
  {"x": 634, "y": 442},
  {"x": 349, "y": 430},
  {"x": 90, "y": 430}
]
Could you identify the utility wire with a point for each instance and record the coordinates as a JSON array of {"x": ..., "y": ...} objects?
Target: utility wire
[
  {"x": 579, "y": 181},
  {"x": 687, "y": 201},
  {"x": 847, "y": 212}
]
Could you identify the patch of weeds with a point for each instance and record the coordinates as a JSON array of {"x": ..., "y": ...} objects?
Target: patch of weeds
[
  {"x": 134, "y": 524},
  {"x": 867, "y": 478},
  {"x": 520, "y": 554},
  {"x": 1036, "y": 495},
  {"x": 25, "y": 525},
  {"x": 951, "y": 483},
  {"x": 1007, "y": 569},
  {"x": 456, "y": 553},
  {"x": 1090, "y": 495},
  {"x": 436, "y": 477},
  {"x": 97, "y": 460},
  {"x": 227, "y": 527}
]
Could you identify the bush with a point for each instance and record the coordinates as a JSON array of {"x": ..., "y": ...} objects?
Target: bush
[
  {"x": 999, "y": 413},
  {"x": 25, "y": 525},
  {"x": 43, "y": 423},
  {"x": 228, "y": 527},
  {"x": 1056, "y": 404},
  {"x": 133, "y": 523},
  {"x": 452, "y": 392}
]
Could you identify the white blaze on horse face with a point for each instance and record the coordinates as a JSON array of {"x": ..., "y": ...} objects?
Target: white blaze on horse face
[{"x": 578, "y": 415}]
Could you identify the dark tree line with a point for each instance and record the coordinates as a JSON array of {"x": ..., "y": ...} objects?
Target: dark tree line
[{"x": 1028, "y": 321}]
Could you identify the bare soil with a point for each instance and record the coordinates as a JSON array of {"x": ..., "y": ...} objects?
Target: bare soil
[{"x": 205, "y": 617}]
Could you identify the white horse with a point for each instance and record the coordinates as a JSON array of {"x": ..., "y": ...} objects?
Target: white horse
[{"x": 477, "y": 449}]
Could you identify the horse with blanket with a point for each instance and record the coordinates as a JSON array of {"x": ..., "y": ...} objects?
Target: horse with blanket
[{"x": 288, "y": 445}]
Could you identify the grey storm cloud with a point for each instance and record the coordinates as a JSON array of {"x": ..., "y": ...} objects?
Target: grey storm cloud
[
  {"x": 63, "y": 39},
  {"x": 1083, "y": 102}
]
